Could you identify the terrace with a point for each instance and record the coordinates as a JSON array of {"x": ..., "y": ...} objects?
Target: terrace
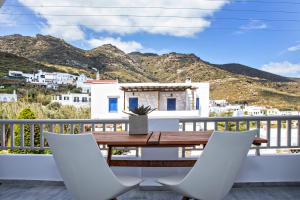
[{"x": 271, "y": 171}]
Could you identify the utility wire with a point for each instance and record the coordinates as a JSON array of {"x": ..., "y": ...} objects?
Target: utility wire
[
  {"x": 136, "y": 26},
  {"x": 158, "y": 16},
  {"x": 146, "y": 7}
]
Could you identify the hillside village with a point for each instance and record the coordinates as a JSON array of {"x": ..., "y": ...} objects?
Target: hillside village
[{"x": 52, "y": 80}]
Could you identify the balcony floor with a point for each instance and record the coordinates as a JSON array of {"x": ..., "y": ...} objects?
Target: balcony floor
[{"x": 47, "y": 191}]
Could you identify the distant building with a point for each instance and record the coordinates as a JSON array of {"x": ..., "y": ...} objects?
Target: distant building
[
  {"x": 255, "y": 110},
  {"x": 218, "y": 103},
  {"x": 73, "y": 99},
  {"x": 83, "y": 83},
  {"x": 222, "y": 106},
  {"x": 8, "y": 97},
  {"x": 109, "y": 98},
  {"x": 53, "y": 79}
]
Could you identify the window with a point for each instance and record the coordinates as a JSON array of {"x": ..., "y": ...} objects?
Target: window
[
  {"x": 66, "y": 98},
  {"x": 84, "y": 99},
  {"x": 197, "y": 103},
  {"x": 76, "y": 99},
  {"x": 113, "y": 104},
  {"x": 133, "y": 103},
  {"x": 171, "y": 104},
  {"x": 60, "y": 97}
]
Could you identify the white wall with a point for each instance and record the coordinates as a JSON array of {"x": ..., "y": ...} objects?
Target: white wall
[
  {"x": 269, "y": 168},
  {"x": 101, "y": 92},
  {"x": 180, "y": 100},
  {"x": 99, "y": 100},
  {"x": 144, "y": 98}
]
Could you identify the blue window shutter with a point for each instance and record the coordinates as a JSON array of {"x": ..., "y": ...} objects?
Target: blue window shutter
[
  {"x": 133, "y": 103},
  {"x": 197, "y": 103},
  {"x": 171, "y": 104},
  {"x": 113, "y": 105}
]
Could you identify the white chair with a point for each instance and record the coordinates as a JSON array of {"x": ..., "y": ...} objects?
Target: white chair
[
  {"x": 84, "y": 169},
  {"x": 215, "y": 171}
]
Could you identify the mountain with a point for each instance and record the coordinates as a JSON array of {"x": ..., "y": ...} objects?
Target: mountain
[
  {"x": 54, "y": 51},
  {"x": 10, "y": 61},
  {"x": 252, "y": 72},
  {"x": 234, "y": 82}
]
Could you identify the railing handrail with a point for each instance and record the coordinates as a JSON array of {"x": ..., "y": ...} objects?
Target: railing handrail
[
  {"x": 241, "y": 118},
  {"x": 45, "y": 121},
  {"x": 265, "y": 125},
  {"x": 122, "y": 120}
]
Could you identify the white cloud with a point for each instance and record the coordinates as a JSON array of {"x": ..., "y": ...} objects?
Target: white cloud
[
  {"x": 253, "y": 25},
  {"x": 126, "y": 46},
  {"x": 283, "y": 68},
  {"x": 159, "y": 25},
  {"x": 294, "y": 48}
]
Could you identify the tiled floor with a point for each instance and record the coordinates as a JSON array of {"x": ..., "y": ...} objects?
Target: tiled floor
[{"x": 56, "y": 191}]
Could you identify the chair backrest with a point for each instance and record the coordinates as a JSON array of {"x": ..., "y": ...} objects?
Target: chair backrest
[
  {"x": 217, "y": 168},
  {"x": 82, "y": 166}
]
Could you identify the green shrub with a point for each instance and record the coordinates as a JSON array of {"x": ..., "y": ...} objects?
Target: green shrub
[{"x": 27, "y": 113}]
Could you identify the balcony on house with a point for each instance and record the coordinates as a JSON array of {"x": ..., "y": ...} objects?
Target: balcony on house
[{"x": 271, "y": 171}]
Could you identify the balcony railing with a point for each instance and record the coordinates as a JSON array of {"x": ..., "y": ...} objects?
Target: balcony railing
[{"x": 282, "y": 132}]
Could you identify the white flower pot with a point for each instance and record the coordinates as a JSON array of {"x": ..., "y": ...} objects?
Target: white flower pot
[{"x": 138, "y": 125}]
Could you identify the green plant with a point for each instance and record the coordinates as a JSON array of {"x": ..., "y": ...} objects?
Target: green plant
[
  {"x": 141, "y": 110},
  {"x": 27, "y": 113}
]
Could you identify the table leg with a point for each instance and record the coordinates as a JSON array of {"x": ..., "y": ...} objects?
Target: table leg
[{"x": 109, "y": 155}]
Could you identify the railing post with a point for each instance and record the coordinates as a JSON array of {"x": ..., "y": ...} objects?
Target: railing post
[
  {"x": 12, "y": 135},
  {"x": 42, "y": 139},
  {"x": 257, "y": 151},
  {"x": 32, "y": 136},
  {"x": 3, "y": 137},
  {"x": 278, "y": 133},
  {"x": 22, "y": 144},
  {"x": 289, "y": 133},
  {"x": 269, "y": 133}
]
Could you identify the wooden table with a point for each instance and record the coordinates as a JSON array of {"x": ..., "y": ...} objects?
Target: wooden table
[{"x": 155, "y": 139}]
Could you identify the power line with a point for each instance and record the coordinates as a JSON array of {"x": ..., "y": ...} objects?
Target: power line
[
  {"x": 158, "y": 16},
  {"x": 150, "y": 7},
  {"x": 144, "y": 26},
  {"x": 234, "y": 1}
]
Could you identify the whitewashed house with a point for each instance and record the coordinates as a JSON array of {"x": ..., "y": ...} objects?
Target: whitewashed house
[
  {"x": 83, "y": 83},
  {"x": 53, "y": 79},
  {"x": 110, "y": 98},
  {"x": 255, "y": 110},
  {"x": 73, "y": 99},
  {"x": 4, "y": 97}
]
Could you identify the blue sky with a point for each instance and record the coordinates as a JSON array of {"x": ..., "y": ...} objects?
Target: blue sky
[{"x": 223, "y": 31}]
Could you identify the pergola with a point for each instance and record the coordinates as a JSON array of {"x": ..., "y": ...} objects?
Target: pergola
[
  {"x": 156, "y": 88},
  {"x": 159, "y": 89}
]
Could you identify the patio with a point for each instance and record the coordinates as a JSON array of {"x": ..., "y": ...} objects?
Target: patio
[{"x": 56, "y": 190}]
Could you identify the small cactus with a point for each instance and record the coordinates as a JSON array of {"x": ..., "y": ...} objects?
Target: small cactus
[{"x": 141, "y": 110}]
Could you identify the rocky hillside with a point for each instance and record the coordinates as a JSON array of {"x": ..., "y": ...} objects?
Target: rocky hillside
[
  {"x": 234, "y": 82},
  {"x": 252, "y": 72}
]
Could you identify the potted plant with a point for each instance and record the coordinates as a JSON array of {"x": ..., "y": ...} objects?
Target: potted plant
[{"x": 138, "y": 120}]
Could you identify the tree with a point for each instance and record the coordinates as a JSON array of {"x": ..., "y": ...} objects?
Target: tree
[{"x": 27, "y": 113}]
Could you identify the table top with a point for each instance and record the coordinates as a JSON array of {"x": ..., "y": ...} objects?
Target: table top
[{"x": 159, "y": 139}]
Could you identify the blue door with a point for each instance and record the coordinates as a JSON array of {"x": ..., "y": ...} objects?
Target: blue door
[
  {"x": 113, "y": 105},
  {"x": 171, "y": 104},
  {"x": 133, "y": 103},
  {"x": 197, "y": 103}
]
